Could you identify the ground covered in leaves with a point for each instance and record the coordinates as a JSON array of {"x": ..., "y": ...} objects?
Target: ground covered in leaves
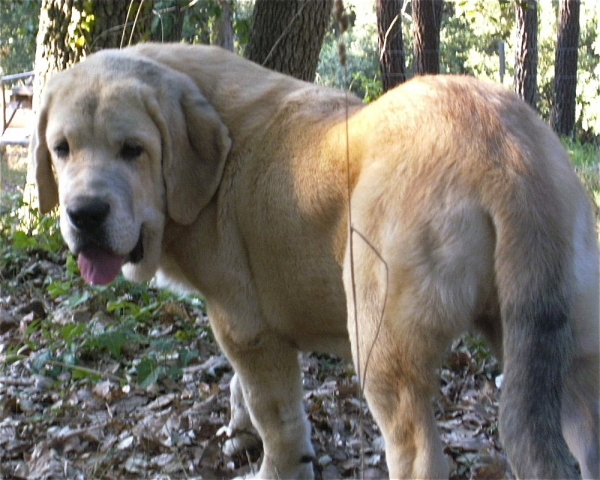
[{"x": 126, "y": 382}]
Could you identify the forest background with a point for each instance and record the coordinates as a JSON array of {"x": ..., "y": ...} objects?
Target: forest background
[{"x": 470, "y": 36}]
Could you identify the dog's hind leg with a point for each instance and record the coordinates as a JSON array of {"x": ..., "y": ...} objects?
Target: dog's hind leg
[
  {"x": 413, "y": 284},
  {"x": 395, "y": 354},
  {"x": 398, "y": 382}
]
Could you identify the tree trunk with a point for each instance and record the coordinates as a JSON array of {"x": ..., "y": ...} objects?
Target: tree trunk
[
  {"x": 427, "y": 18},
  {"x": 118, "y": 23},
  {"x": 56, "y": 48},
  {"x": 224, "y": 25},
  {"x": 170, "y": 22},
  {"x": 391, "y": 44},
  {"x": 565, "y": 76},
  {"x": 287, "y": 36},
  {"x": 526, "y": 60},
  {"x": 70, "y": 29}
]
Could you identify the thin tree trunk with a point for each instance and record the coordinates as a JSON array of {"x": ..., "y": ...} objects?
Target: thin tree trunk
[
  {"x": 391, "y": 45},
  {"x": 427, "y": 17},
  {"x": 526, "y": 60},
  {"x": 287, "y": 36},
  {"x": 56, "y": 50},
  {"x": 224, "y": 25},
  {"x": 565, "y": 76},
  {"x": 170, "y": 22}
]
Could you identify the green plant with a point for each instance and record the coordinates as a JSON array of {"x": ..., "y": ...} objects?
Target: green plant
[
  {"x": 361, "y": 73},
  {"x": 18, "y": 28}
]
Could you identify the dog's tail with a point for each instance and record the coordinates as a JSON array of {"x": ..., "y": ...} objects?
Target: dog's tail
[{"x": 537, "y": 225}]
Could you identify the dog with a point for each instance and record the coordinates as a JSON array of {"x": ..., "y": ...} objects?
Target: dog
[{"x": 312, "y": 222}]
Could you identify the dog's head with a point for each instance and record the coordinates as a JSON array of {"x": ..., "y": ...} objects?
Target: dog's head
[{"x": 131, "y": 142}]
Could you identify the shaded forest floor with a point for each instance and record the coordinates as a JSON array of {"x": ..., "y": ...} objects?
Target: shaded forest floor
[{"x": 127, "y": 381}]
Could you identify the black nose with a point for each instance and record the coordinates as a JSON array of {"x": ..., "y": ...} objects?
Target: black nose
[{"x": 88, "y": 214}]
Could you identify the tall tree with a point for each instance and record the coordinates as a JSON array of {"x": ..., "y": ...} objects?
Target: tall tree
[
  {"x": 70, "y": 29},
  {"x": 526, "y": 56},
  {"x": 224, "y": 25},
  {"x": 565, "y": 73},
  {"x": 391, "y": 45},
  {"x": 56, "y": 46},
  {"x": 427, "y": 18},
  {"x": 118, "y": 23},
  {"x": 287, "y": 35}
]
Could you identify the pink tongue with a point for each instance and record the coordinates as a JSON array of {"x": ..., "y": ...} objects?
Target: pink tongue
[{"x": 99, "y": 267}]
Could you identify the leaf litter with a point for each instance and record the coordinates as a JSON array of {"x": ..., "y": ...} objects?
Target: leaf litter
[{"x": 103, "y": 425}]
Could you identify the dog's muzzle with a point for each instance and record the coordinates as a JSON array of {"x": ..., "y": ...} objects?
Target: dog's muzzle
[{"x": 98, "y": 263}]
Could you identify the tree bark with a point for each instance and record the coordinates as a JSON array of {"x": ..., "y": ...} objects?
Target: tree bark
[
  {"x": 224, "y": 25},
  {"x": 287, "y": 36},
  {"x": 56, "y": 48},
  {"x": 565, "y": 73},
  {"x": 119, "y": 23},
  {"x": 70, "y": 29},
  {"x": 391, "y": 45},
  {"x": 427, "y": 18},
  {"x": 526, "y": 60}
]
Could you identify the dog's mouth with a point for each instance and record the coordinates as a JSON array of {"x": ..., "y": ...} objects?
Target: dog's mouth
[{"x": 99, "y": 266}]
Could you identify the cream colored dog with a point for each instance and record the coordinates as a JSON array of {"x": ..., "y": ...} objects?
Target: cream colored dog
[{"x": 228, "y": 179}]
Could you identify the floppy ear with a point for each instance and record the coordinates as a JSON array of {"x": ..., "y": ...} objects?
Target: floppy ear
[
  {"x": 195, "y": 145},
  {"x": 40, "y": 155}
]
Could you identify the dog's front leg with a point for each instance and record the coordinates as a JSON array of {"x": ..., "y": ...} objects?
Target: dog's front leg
[{"x": 269, "y": 373}]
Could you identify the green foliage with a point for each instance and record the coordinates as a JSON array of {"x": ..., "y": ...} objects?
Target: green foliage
[
  {"x": 361, "y": 74},
  {"x": 588, "y": 75},
  {"x": 18, "y": 29},
  {"x": 471, "y": 32},
  {"x": 199, "y": 20},
  {"x": 129, "y": 316},
  {"x": 19, "y": 241},
  {"x": 586, "y": 160}
]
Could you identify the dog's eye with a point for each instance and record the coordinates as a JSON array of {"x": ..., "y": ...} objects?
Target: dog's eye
[
  {"x": 131, "y": 151},
  {"x": 61, "y": 149}
]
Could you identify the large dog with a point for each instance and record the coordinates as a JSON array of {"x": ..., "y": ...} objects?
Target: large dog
[{"x": 231, "y": 180}]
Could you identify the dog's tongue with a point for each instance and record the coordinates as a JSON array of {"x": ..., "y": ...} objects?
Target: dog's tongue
[{"x": 99, "y": 267}]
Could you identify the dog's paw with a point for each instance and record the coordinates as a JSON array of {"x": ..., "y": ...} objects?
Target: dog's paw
[
  {"x": 241, "y": 442},
  {"x": 302, "y": 471}
]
